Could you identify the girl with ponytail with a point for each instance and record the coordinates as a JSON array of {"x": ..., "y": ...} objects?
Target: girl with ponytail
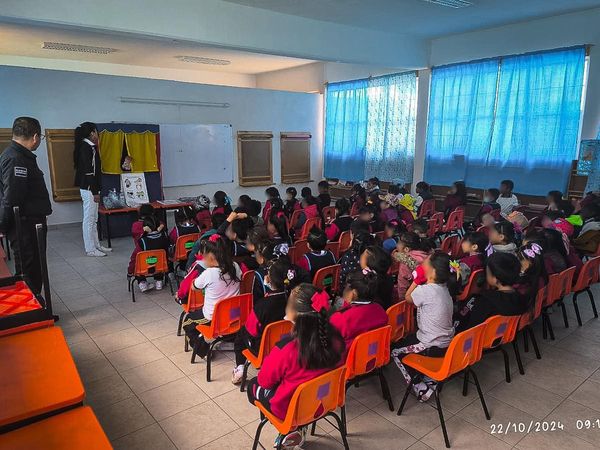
[
  {"x": 409, "y": 254},
  {"x": 313, "y": 348}
]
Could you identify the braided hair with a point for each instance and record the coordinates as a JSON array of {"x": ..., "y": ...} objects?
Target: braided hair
[{"x": 320, "y": 345}]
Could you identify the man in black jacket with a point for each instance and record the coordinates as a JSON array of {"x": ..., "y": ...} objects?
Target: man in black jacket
[{"x": 22, "y": 184}]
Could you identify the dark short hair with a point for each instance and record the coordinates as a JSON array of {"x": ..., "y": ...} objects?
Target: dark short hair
[
  {"x": 26, "y": 127},
  {"x": 317, "y": 239},
  {"x": 505, "y": 267},
  {"x": 306, "y": 192},
  {"x": 508, "y": 183},
  {"x": 394, "y": 189},
  {"x": 494, "y": 193},
  {"x": 323, "y": 184},
  {"x": 292, "y": 191}
]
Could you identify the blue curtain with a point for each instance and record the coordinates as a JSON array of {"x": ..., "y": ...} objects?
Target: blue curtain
[
  {"x": 370, "y": 128},
  {"x": 526, "y": 129}
]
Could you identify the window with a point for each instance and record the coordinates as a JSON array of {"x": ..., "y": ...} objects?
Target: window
[
  {"x": 255, "y": 166},
  {"x": 513, "y": 117},
  {"x": 295, "y": 157},
  {"x": 370, "y": 128},
  {"x": 5, "y": 138}
]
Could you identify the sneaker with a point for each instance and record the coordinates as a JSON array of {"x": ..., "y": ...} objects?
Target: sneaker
[
  {"x": 237, "y": 374},
  {"x": 158, "y": 285},
  {"x": 145, "y": 286},
  {"x": 294, "y": 439},
  {"x": 96, "y": 253},
  {"x": 104, "y": 249}
]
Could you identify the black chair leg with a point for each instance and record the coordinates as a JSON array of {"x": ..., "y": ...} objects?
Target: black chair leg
[
  {"x": 262, "y": 423},
  {"x": 518, "y": 357},
  {"x": 525, "y": 341},
  {"x": 550, "y": 329},
  {"x": 536, "y": 349},
  {"x": 209, "y": 356},
  {"x": 589, "y": 291},
  {"x": 342, "y": 429},
  {"x": 194, "y": 351},
  {"x": 385, "y": 389},
  {"x": 313, "y": 428},
  {"x": 441, "y": 415},
  {"x": 406, "y": 393},
  {"x": 506, "y": 364},
  {"x": 564, "y": 312},
  {"x": 480, "y": 392},
  {"x": 180, "y": 324},
  {"x": 576, "y": 306},
  {"x": 244, "y": 376},
  {"x": 544, "y": 325},
  {"x": 344, "y": 420},
  {"x": 466, "y": 383}
]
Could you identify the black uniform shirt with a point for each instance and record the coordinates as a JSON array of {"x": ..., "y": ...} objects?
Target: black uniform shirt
[{"x": 21, "y": 184}]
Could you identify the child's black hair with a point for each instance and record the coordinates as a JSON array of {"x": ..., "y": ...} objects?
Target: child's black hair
[
  {"x": 507, "y": 229},
  {"x": 358, "y": 226},
  {"x": 566, "y": 207},
  {"x": 306, "y": 192},
  {"x": 359, "y": 191},
  {"x": 365, "y": 284},
  {"x": 279, "y": 221},
  {"x": 554, "y": 214},
  {"x": 217, "y": 220},
  {"x": 147, "y": 215},
  {"x": 292, "y": 191},
  {"x": 323, "y": 184},
  {"x": 272, "y": 193},
  {"x": 320, "y": 345},
  {"x": 256, "y": 235},
  {"x": 342, "y": 206},
  {"x": 411, "y": 240},
  {"x": 509, "y": 184},
  {"x": 374, "y": 180},
  {"x": 461, "y": 190},
  {"x": 245, "y": 201},
  {"x": 494, "y": 193},
  {"x": 145, "y": 210},
  {"x": 378, "y": 260},
  {"x": 282, "y": 275},
  {"x": 420, "y": 225},
  {"x": 554, "y": 241},
  {"x": 536, "y": 268},
  {"x": 276, "y": 203},
  {"x": 254, "y": 208},
  {"x": 556, "y": 196},
  {"x": 505, "y": 267},
  {"x": 222, "y": 201},
  {"x": 397, "y": 226},
  {"x": 480, "y": 239},
  {"x": 222, "y": 253},
  {"x": 317, "y": 239},
  {"x": 361, "y": 239},
  {"x": 423, "y": 186},
  {"x": 590, "y": 211},
  {"x": 440, "y": 262},
  {"x": 240, "y": 227},
  {"x": 394, "y": 189},
  {"x": 368, "y": 209},
  {"x": 183, "y": 214}
]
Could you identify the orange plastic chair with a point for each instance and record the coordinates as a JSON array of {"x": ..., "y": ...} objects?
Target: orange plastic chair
[
  {"x": 74, "y": 429},
  {"x": 149, "y": 263},
  {"x": 301, "y": 249},
  {"x": 427, "y": 208},
  {"x": 455, "y": 221},
  {"x": 334, "y": 247},
  {"x": 502, "y": 330},
  {"x": 314, "y": 222},
  {"x": 329, "y": 213},
  {"x": 449, "y": 243},
  {"x": 205, "y": 224},
  {"x": 587, "y": 276},
  {"x": 195, "y": 301},
  {"x": 328, "y": 279},
  {"x": 183, "y": 246},
  {"x": 474, "y": 285},
  {"x": 559, "y": 286},
  {"x": 527, "y": 319},
  {"x": 438, "y": 219},
  {"x": 273, "y": 333},
  {"x": 312, "y": 401},
  {"x": 465, "y": 350},
  {"x": 229, "y": 317},
  {"x": 345, "y": 241},
  {"x": 247, "y": 282},
  {"x": 401, "y": 317},
  {"x": 368, "y": 355},
  {"x": 294, "y": 219}
]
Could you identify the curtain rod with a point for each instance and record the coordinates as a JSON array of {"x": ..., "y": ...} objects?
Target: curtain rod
[
  {"x": 370, "y": 77},
  {"x": 158, "y": 101}
]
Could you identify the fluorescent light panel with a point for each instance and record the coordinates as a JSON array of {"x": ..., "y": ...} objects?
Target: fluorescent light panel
[
  {"x": 451, "y": 3},
  {"x": 203, "y": 60},
  {"x": 61, "y": 46}
]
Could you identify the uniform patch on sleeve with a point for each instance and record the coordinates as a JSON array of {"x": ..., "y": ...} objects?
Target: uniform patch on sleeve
[{"x": 21, "y": 172}]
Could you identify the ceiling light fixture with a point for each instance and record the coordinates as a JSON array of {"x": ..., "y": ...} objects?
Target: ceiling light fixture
[
  {"x": 203, "y": 60},
  {"x": 77, "y": 48},
  {"x": 451, "y": 3}
]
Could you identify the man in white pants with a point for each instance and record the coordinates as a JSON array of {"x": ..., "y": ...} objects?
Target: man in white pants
[{"x": 88, "y": 175}]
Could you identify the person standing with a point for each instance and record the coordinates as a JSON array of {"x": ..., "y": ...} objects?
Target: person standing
[
  {"x": 22, "y": 184},
  {"x": 88, "y": 177}
]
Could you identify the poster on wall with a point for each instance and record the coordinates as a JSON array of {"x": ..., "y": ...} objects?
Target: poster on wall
[{"x": 133, "y": 186}]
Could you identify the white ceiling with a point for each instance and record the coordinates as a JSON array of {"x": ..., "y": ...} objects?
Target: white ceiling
[
  {"x": 27, "y": 40},
  {"x": 418, "y": 17}
]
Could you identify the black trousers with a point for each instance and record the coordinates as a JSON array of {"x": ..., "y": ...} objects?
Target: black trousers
[{"x": 26, "y": 251}]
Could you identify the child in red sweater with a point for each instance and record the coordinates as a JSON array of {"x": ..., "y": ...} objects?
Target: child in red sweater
[
  {"x": 318, "y": 257},
  {"x": 314, "y": 348},
  {"x": 184, "y": 224},
  {"x": 474, "y": 246}
]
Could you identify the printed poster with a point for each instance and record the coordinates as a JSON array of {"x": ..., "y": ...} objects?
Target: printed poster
[{"x": 133, "y": 186}]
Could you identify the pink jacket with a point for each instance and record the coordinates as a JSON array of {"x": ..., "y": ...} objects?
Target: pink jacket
[{"x": 408, "y": 262}]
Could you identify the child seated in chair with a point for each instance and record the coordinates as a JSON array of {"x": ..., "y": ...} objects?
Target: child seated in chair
[
  {"x": 202, "y": 210},
  {"x": 342, "y": 220},
  {"x": 281, "y": 279},
  {"x": 314, "y": 348},
  {"x": 317, "y": 258},
  {"x": 184, "y": 224},
  {"x": 291, "y": 202},
  {"x": 474, "y": 246},
  {"x": 409, "y": 254}
]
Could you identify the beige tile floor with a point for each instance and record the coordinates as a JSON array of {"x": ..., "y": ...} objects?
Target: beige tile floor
[{"x": 147, "y": 395}]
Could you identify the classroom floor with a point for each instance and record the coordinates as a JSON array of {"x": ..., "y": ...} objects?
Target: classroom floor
[{"x": 147, "y": 395}]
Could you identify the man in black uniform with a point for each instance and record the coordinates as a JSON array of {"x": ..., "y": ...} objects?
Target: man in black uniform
[{"x": 22, "y": 184}]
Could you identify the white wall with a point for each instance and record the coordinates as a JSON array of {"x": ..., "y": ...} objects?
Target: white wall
[{"x": 64, "y": 99}]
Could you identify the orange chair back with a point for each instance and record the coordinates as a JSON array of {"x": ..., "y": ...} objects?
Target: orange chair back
[
  {"x": 195, "y": 299},
  {"x": 294, "y": 218},
  {"x": 465, "y": 349},
  {"x": 368, "y": 352},
  {"x": 427, "y": 208},
  {"x": 151, "y": 262},
  {"x": 314, "y": 222},
  {"x": 439, "y": 221},
  {"x": 205, "y": 224},
  {"x": 274, "y": 332},
  {"x": 328, "y": 279},
  {"x": 345, "y": 241},
  {"x": 499, "y": 330},
  {"x": 449, "y": 243},
  {"x": 474, "y": 285},
  {"x": 559, "y": 285},
  {"x": 184, "y": 245},
  {"x": 588, "y": 274},
  {"x": 301, "y": 249},
  {"x": 334, "y": 247},
  {"x": 530, "y": 316},
  {"x": 229, "y": 316},
  {"x": 455, "y": 220},
  {"x": 401, "y": 317},
  {"x": 329, "y": 213},
  {"x": 247, "y": 282}
]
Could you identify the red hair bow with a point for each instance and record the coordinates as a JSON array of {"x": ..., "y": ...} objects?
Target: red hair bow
[
  {"x": 320, "y": 301},
  {"x": 280, "y": 214},
  {"x": 214, "y": 238}
]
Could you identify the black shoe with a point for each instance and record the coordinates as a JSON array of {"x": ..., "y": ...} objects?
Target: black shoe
[{"x": 201, "y": 346}]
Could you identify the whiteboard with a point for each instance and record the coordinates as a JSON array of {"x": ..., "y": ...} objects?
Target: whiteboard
[{"x": 196, "y": 154}]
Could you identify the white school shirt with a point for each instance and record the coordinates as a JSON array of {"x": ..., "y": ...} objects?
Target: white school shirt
[
  {"x": 434, "y": 315},
  {"x": 507, "y": 204},
  {"x": 216, "y": 288}
]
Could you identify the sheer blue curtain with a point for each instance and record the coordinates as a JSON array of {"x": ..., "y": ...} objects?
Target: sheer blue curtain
[
  {"x": 531, "y": 133},
  {"x": 370, "y": 128}
]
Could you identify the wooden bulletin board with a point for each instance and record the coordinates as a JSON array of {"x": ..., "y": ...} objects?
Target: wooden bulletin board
[
  {"x": 295, "y": 157},
  {"x": 60, "y": 143},
  {"x": 5, "y": 138},
  {"x": 255, "y": 158}
]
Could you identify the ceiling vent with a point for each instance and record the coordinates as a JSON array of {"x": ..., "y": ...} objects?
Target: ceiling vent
[
  {"x": 203, "y": 60},
  {"x": 61, "y": 46},
  {"x": 451, "y": 3}
]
